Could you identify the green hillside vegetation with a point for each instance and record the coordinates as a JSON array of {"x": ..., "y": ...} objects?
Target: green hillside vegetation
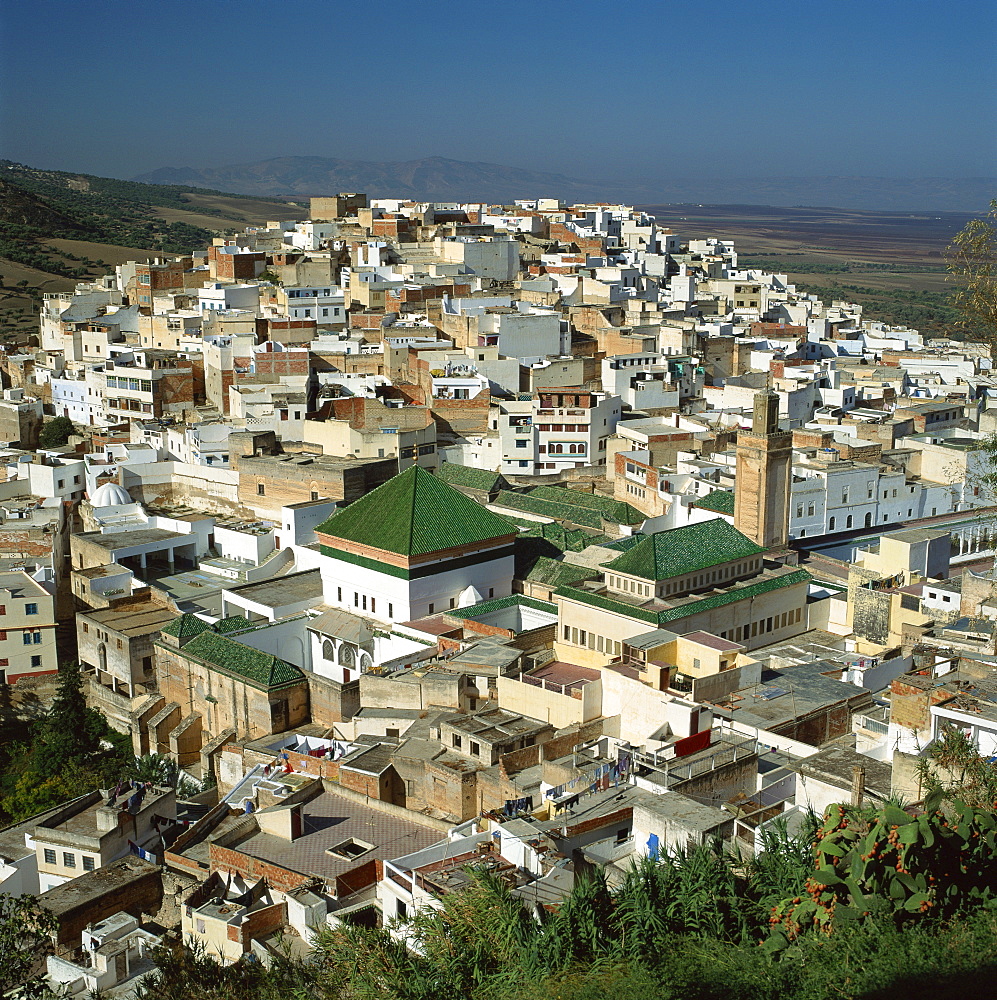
[
  {"x": 930, "y": 312},
  {"x": 57, "y": 228}
]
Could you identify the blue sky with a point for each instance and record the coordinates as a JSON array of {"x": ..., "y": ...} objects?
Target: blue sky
[{"x": 596, "y": 90}]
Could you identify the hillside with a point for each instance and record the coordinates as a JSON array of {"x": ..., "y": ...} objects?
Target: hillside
[
  {"x": 57, "y": 228},
  {"x": 434, "y": 179},
  {"x": 438, "y": 178}
]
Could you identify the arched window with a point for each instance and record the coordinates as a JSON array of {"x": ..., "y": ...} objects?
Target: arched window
[
  {"x": 366, "y": 663},
  {"x": 346, "y": 656},
  {"x": 830, "y": 524},
  {"x": 329, "y": 650},
  {"x": 868, "y": 520},
  {"x": 848, "y": 523}
]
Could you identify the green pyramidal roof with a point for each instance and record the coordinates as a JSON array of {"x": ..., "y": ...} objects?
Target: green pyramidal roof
[
  {"x": 185, "y": 626},
  {"x": 414, "y": 514},
  {"x": 722, "y": 501},
  {"x": 685, "y": 550}
]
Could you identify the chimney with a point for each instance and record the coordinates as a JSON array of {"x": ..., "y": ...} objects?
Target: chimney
[{"x": 858, "y": 785}]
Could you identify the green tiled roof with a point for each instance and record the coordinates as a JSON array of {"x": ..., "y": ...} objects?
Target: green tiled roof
[
  {"x": 555, "y": 573},
  {"x": 626, "y": 543},
  {"x": 185, "y": 626},
  {"x": 659, "y": 618},
  {"x": 612, "y": 510},
  {"x": 549, "y": 508},
  {"x": 260, "y": 669},
  {"x": 414, "y": 514},
  {"x": 473, "y": 479},
  {"x": 500, "y": 603},
  {"x": 237, "y": 623},
  {"x": 685, "y": 550},
  {"x": 566, "y": 539},
  {"x": 722, "y": 501}
]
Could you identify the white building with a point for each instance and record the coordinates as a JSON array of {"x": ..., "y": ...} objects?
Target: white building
[
  {"x": 556, "y": 429},
  {"x": 414, "y": 547},
  {"x": 325, "y": 305}
]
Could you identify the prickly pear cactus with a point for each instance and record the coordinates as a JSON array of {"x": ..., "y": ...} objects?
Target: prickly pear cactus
[{"x": 892, "y": 863}]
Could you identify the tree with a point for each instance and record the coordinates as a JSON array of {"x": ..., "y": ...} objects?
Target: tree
[
  {"x": 55, "y": 433},
  {"x": 163, "y": 770},
  {"x": 73, "y": 751},
  {"x": 972, "y": 259},
  {"x": 24, "y": 934}
]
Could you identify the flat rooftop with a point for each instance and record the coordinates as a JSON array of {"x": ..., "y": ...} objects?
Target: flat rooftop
[
  {"x": 132, "y": 538},
  {"x": 567, "y": 675},
  {"x": 21, "y": 585},
  {"x": 133, "y": 620},
  {"x": 91, "y": 886},
  {"x": 282, "y": 590}
]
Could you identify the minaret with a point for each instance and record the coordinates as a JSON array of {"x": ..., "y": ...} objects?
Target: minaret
[{"x": 764, "y": 475}]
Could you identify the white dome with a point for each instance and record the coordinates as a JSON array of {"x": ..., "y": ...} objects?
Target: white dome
[
  {"x": 110, "y": 495},
  {"x": 468, "y": 597}
]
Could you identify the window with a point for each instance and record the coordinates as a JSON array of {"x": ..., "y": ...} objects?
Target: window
[
  {"x": 87, "y": 863},
  {"x": 315, "y": 494},
  {"x": 31, "y": 609},
  {"x": 261, "y": 490},
  {"x": 432, "y": 608},
  {"x": 339, "y": 594},
  {"x": 49, "y": 856},
  {"x": 830, "y": 524},
  {"x": 391, "y": 611},
  {"x": 456, "y": 741},
  {"x": 36, "y": 661},
  {"x": 68, "y": 859},
  {"x": 86, "y": 628},
  {"x": 475, "y": 749}
]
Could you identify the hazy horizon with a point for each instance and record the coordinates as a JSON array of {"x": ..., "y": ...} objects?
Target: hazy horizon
[{"x": 630, "y": 95}]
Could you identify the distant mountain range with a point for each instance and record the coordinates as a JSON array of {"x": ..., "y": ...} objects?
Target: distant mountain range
[{"x": 436, "y": 178}]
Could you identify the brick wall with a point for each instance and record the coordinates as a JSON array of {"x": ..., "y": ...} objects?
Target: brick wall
[{"x": 253, "y": 869}]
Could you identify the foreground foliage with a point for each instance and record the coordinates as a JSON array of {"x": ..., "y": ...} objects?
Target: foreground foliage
[
  {"x": 699, "y": 924},
  {"x": 24, "y": 931}
]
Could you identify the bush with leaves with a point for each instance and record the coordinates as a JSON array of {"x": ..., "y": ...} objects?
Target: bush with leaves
[
  {"x": 887, "y": 864},
  {"x": 72, "y": 751},
  {"x": 24, "y": 935},
  {"x": 55, "y": 432}
]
